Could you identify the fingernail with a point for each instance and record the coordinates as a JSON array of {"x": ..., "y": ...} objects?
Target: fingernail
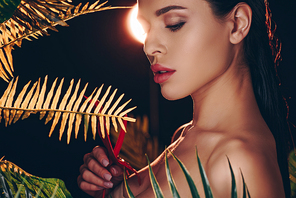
[
  {"x": 114, "y": 171},
  {"x": 108, "y": 184},
  {"x": 105, "y": 162},
  {"x": 107, "y": 176}
]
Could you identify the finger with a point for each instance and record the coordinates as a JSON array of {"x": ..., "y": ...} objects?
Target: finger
[
  {"x": 86, "y": 157},
  {"x": 99, "y": 153},
  {"x": 81, "y": 168},
  {"x": 89, "y": 187},
  {"x": 97, "y": 168},
  {"x": 89, "y": 177},
  {"x": 116, "y": 170},
  {"x": 85, "y": 186},
  {"x": 92, "y": 193}
]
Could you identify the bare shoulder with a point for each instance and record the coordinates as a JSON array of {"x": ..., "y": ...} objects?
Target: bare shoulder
[{"x": 255, "y": 159}]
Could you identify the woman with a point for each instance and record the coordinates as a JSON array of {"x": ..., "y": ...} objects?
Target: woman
[{"x": 218, "y": 53}]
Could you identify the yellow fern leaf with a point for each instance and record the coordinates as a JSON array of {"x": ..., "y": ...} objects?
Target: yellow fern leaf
[
  {"x": 48, "y": 99},
  {"x": 90, "y": 107},
  {"x": 69, "y": 108},
  {"x": 32, "y": 19},
  {"x": 42, "y": 94},
  {"x": 66, "y": 115},
  {"x": 75, "y": 108}
]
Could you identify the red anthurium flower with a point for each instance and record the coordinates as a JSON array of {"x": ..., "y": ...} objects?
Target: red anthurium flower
[{"x": 114, "y": 153}]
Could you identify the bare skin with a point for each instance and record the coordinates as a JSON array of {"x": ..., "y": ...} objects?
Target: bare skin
[{"x": 226, "y": 121}]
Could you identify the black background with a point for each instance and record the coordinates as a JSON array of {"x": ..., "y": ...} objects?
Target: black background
[{"x": 99, "y": 49}]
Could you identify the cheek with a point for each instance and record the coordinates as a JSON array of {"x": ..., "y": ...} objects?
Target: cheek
[
  {"x": 207, "y": 51},
  {"x": 199, "y": 56}
]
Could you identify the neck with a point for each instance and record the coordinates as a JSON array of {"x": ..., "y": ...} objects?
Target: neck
[{"x": 226, "y": 103}]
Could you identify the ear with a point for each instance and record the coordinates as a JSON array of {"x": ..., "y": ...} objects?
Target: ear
[{"x": 241, "y": 19}]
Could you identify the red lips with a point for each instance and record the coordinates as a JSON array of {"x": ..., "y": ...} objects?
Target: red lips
[{"x": 161, "y": 73}]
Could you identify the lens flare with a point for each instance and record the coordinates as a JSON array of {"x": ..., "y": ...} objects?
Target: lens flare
[{"x": 134, "y": 26}]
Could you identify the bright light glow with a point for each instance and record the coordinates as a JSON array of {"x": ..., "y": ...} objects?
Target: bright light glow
[{"x": 134, "y": 26}]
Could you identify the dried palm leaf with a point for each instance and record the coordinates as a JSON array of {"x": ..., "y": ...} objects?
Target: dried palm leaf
[
  {"x": 32, "y": 102},
  {"x": 32, "y": 19}
]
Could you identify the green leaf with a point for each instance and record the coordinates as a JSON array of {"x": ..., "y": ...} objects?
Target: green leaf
[
  {"x": 154, "y": 183},
  {"x": 9, "y": 175},
  {"x": 233, "y": 183},
  {"x": 292, "y": 172},
  {"x": 170, "y": 178},
  {"x": 39, "y": 191},
  {"x": 7, "y": 9},
  {"x": 23, "y": 184},
  {"x": 245, "y": 188},
  {"x": 28, "y": 193},
  {"x": 128, "y": 190},
  {"x": 190, "y": 182},
  {"x": 4, "y": 186},
  {"x": 205, "y": 181},
  {"x": 19, "y": 190},
  {"x": 55, "y": 191}
]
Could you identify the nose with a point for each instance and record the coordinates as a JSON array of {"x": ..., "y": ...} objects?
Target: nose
[{"x": 154, "y": 46}]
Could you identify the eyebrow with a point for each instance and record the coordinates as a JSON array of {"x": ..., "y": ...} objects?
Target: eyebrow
[{"x": 167, "y": 9}]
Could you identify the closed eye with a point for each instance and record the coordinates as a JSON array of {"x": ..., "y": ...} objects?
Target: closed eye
[{"x": 175, "y": 27}]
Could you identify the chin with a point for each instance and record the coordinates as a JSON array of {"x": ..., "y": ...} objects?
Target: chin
[{"x": 172, "y": 94}]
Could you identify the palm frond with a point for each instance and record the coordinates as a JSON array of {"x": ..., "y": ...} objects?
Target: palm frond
[
  {"x": 127, "y": 188},
  {"x": 32, "y": 19},
  {"x": 170, "y": 179},
  {"x": 15, "y": 182},
  {"x": 155, "y": 186},
  {"x": 189, "y": 179},
  {"x": 233, "y": 183},
  {"x": 191, "y": 184},
  {"x": 205, "y": 181},
  {"x": 64, "y": 110}
]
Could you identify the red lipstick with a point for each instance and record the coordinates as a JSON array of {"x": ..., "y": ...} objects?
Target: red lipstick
[{"x": 161, "y": 73}]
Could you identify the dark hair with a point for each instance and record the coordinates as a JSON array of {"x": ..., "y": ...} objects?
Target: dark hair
[{"x": 258, "y": 56}]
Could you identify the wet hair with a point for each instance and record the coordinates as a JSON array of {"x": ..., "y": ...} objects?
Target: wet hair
[{"x": 258, "y": 56}]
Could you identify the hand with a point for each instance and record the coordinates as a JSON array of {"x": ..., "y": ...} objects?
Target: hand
[{"x": 96, "y": 174}]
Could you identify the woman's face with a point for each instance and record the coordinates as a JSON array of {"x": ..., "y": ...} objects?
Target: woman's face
[{"x": 186, "y": 44}]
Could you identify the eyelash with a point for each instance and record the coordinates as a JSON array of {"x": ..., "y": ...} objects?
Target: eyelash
[{"x": 176, "y": 27}]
